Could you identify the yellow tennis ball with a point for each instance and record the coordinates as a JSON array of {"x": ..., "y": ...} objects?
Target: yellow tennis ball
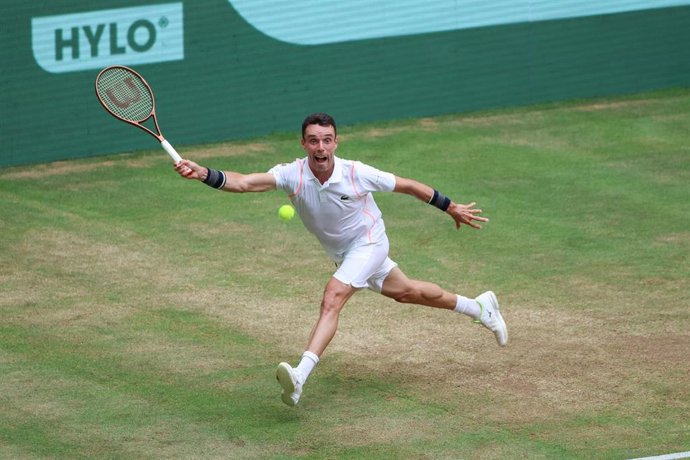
[{"x": 286, "y": 212}]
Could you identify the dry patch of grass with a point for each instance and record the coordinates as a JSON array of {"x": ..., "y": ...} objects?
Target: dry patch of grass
[
  {"x": 558, "y": 362},
  {"x": 613, "y": 105},
  {"x": 65, "y": 278},
  {"x": 58, "y": 168},
  {"x": 232, "y": 149},
  {"x": 63, "y": 168}
]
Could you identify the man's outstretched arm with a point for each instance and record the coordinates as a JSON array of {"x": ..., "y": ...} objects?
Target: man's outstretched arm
[{"x": 228, "y": 181}]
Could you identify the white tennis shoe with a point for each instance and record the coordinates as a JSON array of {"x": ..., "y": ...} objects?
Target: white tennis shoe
[
  {"x": 491, "y": 318},
  {"x": 291, "y": 381}
]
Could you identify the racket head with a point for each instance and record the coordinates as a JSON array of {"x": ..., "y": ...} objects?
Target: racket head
[{"x": 125, "y": 94}]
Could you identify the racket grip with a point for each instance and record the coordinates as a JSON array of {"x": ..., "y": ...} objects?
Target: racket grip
[{"x": 171, "y": 151}]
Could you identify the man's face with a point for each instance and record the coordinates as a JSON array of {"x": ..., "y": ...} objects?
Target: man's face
[{"x": 320, "y": 143}]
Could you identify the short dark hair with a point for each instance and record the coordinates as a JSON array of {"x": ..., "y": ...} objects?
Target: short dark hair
[{"x": 321, "y": 119}]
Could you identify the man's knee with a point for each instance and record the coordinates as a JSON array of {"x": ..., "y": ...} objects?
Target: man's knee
[
  {"x": 335, "y": 295},
  {"x": 331, "y": 305}
]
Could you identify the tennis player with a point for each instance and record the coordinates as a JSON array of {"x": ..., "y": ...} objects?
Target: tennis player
[{"x": 334, "y": 200}]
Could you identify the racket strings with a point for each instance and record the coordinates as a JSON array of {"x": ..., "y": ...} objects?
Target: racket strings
[{"x": 125, "y": 94}]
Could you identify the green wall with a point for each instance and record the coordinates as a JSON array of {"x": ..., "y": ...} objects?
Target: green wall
[{"x": 224, "y": 79}]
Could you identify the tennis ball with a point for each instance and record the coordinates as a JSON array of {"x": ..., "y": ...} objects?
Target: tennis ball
[{"x": 286, "y": 212}]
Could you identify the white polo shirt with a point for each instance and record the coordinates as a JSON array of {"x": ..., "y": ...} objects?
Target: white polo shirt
[{"x": 342, "y": 212}]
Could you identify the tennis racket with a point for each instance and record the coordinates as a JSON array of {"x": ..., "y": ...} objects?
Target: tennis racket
[{"x": 126, "y": 96}]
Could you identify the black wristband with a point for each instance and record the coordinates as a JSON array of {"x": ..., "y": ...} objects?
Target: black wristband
[
  {"x": 215, "y": 178},
  {"x": 440, "y": 201}
]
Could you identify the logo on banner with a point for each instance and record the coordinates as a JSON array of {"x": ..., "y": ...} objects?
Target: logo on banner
[
  {"x": 96, "y": 39},
  {"x": 350, "y": 20}
]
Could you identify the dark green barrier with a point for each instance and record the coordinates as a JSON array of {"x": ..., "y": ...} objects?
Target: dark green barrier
[{"x": 217, "y": 77}]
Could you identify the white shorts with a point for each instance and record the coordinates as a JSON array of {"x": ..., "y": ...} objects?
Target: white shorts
[{"x": 365, "y": 266}]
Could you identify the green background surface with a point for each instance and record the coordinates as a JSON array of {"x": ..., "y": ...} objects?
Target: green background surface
[{"x": 235, "y": 82}]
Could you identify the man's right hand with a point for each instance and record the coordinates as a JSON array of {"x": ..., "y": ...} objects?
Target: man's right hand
[{"x": 190, "y": 170}]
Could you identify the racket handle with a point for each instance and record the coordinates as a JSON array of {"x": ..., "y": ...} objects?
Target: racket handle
[{"x": 171, "y": 151}]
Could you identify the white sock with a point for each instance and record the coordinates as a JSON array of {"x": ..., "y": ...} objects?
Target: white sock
[
  {"x": 306, "y": 365},
  {"x": 469, "y": 307}
]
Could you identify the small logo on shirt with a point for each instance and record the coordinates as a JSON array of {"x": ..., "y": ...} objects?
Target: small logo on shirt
[{"x": 344, "y": 198}]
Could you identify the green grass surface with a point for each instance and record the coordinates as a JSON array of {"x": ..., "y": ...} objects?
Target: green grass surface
[{"x": 142, "y": 316}]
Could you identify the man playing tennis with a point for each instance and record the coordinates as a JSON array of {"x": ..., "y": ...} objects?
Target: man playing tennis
[{"x": 333, "y": 197}]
